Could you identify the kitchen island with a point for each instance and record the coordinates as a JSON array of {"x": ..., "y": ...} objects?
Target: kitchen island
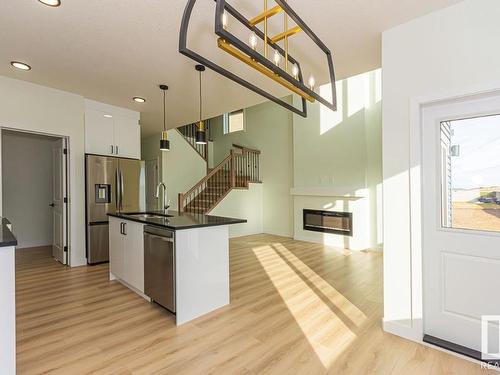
[
  {"x": 8, "y": 244},
  {"x": 199, "y": 263}
]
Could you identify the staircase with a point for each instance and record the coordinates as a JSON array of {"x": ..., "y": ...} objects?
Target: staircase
[
  {"x": 236, "y": 171},
  {"x": 189, "y": 134}
]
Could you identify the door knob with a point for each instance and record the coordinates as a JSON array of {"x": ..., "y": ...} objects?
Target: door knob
[{"x": 52, "y": 205}]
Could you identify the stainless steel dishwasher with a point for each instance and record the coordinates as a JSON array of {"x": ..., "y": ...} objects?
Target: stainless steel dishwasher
[{"x": 159, "y": 266}]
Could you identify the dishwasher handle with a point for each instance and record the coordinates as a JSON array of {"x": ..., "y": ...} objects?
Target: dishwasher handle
[
  {"x": 161, "y": 238},
  {"x": 160, "y": 232}
]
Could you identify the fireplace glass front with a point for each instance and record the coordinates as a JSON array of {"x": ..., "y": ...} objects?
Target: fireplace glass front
[{"x": 328, "y": 221}]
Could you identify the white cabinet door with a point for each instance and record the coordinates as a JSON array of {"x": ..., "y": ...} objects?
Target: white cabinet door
[
  {"x": 99, "y": 133},
  {"x": 116, "y": 248},
  {"x": 134, "y": 255},
  {"x": 127, "y": 136}
]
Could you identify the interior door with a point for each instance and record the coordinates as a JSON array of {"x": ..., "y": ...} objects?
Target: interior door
[
  {"x": 461, "y": 239},
  {"x": 152, "y": 180},
  {"x": 58, "y": 202}
]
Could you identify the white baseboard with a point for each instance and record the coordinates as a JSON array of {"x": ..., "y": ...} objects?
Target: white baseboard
[
  {"x": 243, "y": 233},
  {"x": 30, "y": 245},
  {"x": 288, "y": 235}
]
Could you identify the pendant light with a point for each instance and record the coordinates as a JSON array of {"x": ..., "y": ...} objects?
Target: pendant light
[
  {"x": 201, "y": 134},
  {"x": 164, "y": 142}
]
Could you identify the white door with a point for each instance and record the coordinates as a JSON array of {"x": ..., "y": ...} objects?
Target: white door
[
  {"x": 58, "y": 202},
  {"x": 152, "y": 180},
  {"x": 461, "y": 224}
]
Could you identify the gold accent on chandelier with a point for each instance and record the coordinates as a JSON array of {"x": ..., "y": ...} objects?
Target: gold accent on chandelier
[
  {"x": 268, "y": 41},
  {"x": 286, "y": 34},
  {"x": 266, "y": 14},
  {"x": 225, "y": 46}
]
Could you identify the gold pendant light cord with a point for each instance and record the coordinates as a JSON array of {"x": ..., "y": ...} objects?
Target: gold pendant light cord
[
  {"x": 265, "y": 29},
  {"x": 164, "y": 116},
  {"x": 285, "y": 29},
  {"x": 201, "y": 112}
]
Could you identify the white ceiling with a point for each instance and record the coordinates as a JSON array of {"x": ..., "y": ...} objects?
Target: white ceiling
[{"x": 113, "y": 50}]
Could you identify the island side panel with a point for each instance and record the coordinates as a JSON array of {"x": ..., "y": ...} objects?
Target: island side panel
[
  {"x": 202, "y": 271},
  {"x": 7, "y": 311}
]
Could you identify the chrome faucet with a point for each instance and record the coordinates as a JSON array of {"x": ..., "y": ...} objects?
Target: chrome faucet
[{"x": 165, "y": 201}]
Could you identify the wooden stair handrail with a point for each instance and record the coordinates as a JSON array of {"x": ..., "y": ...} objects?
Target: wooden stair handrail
[
  {"x": 246, "y": 149},
  {"x": 237, "y": 171},
  {"x": 210, "y": 174}
]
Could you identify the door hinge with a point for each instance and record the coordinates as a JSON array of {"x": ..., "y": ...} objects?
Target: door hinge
[
  {"x": 65, "y": 249},
  {"x": 65, "y": 151},
  {"x": 65, "y": 200}
]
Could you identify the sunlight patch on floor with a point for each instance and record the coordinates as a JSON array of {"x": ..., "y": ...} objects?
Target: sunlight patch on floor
[{"x": 327, "y": 319}]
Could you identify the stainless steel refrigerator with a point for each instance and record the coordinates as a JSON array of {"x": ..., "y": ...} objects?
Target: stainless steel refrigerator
[{"x": 112, "y": 185}]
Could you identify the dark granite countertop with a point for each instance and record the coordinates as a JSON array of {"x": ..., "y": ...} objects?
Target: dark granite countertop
[
  {"x": 180, "y": 221},
  {"x": 7, "y": 238}
]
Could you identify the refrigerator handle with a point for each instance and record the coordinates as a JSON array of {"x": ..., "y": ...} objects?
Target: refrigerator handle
[
  {"x": 121, "y": 191},
  {"x": 117, "y": 192}
]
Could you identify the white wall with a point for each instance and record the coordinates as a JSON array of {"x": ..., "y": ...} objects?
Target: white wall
[
  {"x": 340, "y": 153},
  {"x": 150, "y": 147},
  {"x": 450, "y": 50},
  {"x": 150, "y": 150},
  {"x": 182, "y": 167},
  {"x": 36, "y": 108},
  {"x": 358, "y": 205},
  {"x": 268, "y": 129},
  {"x": 243, "y": 204},
  {"x": 27, "y": 174}
]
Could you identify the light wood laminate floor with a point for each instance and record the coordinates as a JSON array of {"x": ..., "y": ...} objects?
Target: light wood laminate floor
[{"x": 296, "y": 308}]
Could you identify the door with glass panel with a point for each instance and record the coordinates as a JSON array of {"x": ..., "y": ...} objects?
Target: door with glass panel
[{"x": 461, "y": 221}]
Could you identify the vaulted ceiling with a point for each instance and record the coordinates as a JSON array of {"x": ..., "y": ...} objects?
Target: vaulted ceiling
[{"x": 113, "y": 50}]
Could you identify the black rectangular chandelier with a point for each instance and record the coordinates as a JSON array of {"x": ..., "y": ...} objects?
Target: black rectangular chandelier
[{"x": 292, "y": 80}]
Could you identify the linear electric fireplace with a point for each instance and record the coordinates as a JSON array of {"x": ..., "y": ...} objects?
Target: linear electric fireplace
[{"x": 328, "y": 221}]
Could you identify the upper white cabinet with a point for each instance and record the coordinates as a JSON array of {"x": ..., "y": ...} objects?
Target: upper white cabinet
[
  {"x": 111, "y": 131},
  {"x": 99, "y": 133},
  {"x": 127, "y": 135}
]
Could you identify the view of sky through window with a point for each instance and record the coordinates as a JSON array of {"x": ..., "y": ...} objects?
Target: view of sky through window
[
  {"x": 478, "y": 162},
  {"x": 471, "y": 173}
]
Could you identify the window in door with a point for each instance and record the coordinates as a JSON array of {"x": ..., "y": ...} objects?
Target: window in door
[
  {"x": 470, "y": 173},
  {"x": 234, "y": 121}
]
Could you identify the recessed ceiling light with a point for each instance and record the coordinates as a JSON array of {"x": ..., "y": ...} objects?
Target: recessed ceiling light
[
  {"x": 108, "y": 116},
  {"x": 20, "y": 65},
  {"x": 51, "y": 3},
  {"x": 138, "y": 99}
]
